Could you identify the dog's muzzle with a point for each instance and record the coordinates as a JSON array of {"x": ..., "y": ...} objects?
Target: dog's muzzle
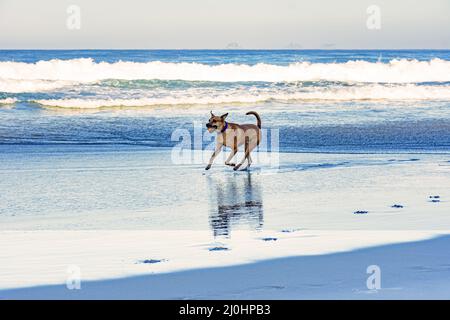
[{"x": 210, "y": 126}]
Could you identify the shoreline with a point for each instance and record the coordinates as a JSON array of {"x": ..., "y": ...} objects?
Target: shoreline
[{"x": 126, "y": 147}]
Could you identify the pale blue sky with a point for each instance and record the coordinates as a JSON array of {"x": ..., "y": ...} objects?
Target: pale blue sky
[{"x": 250, "y": 24}]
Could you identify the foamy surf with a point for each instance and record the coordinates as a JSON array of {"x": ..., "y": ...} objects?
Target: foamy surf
[
  {"x": 36, "y": 85},
  {"x": 31, "y": 77},
  {"x": 206, "y": 97},
  {"x": 8, "y": 101}
]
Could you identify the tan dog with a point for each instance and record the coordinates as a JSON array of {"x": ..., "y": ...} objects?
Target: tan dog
[{"x": 234, "y": 135}]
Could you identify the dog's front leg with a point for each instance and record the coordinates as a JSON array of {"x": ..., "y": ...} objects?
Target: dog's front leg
[
  {"x": 232, "y": 154},
  {"x": 234, "y": 150},
  {"x": 213, "y": 156}
]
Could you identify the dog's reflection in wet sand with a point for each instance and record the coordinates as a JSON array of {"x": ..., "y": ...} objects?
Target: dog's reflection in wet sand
[{"x": 236, "y": 201}]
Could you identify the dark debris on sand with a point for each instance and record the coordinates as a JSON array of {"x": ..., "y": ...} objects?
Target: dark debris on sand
[
  {"x": 361, "y": 212},
  {"x": 397, "y": 206}
]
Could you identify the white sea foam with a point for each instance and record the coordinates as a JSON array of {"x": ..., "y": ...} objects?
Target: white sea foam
[
  {"x": 86, "y": 70},
  {"x": 365, "y": 92},
  {"x": 17, "y": 86},
  {"x": 8, "y": 101}
]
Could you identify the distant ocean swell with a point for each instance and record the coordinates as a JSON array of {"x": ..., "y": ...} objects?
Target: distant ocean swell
[{"x": 84, "y": 83}]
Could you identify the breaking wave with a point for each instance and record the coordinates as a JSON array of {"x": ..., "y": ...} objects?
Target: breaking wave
[
  {"x": 8, "y": 101},
  {"x": 51, "y": 74}
]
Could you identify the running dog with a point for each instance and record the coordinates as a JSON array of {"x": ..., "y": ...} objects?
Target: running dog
[{"x": 234, "y": 135}]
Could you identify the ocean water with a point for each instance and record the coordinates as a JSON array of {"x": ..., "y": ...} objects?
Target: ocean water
[
  {"x": 322, "y": 101},
  {"x": 86, "y": 136}
]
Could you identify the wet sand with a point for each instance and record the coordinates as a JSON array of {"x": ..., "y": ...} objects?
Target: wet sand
[{"x": 134, "y": 212}]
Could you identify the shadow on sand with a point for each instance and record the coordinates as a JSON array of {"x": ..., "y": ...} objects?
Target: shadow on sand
[{"x": 411, "y": 270}]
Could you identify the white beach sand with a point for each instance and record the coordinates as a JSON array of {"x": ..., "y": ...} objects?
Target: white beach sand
[{"x": 409, "y": 270}]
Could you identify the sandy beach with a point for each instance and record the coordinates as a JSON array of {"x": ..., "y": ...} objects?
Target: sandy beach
[
  {"x": 411, "y": 270},
  {"x": 250, "y": 231}
]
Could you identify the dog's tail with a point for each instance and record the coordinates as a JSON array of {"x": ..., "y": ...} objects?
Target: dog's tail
[{"x": 258, "y": 119}]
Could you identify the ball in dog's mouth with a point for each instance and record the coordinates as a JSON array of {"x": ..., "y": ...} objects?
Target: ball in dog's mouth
[{"x": 211, "y": 127}]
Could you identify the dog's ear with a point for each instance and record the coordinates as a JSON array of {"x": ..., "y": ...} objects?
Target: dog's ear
[
  {"x": 224, "y": 116},
  {"x": 212, "y": 114}
]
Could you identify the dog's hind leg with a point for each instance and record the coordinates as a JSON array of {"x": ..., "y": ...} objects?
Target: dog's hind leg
[
  {"x": 249, "y": 159},
  {"x": 249, "y": 146}
]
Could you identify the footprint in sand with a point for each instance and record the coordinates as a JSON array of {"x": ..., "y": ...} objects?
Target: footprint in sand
[
  {"x": 218, "y": 249},
  {"x": 269, "y": 239},
  {"x": 434, "y": 198},
  {"x": 289, "y": 230},
  {"x": 151, "y": 261}
]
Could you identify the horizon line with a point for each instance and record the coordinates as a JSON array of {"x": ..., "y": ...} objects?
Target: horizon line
[{"x": 227, "y": 49}]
